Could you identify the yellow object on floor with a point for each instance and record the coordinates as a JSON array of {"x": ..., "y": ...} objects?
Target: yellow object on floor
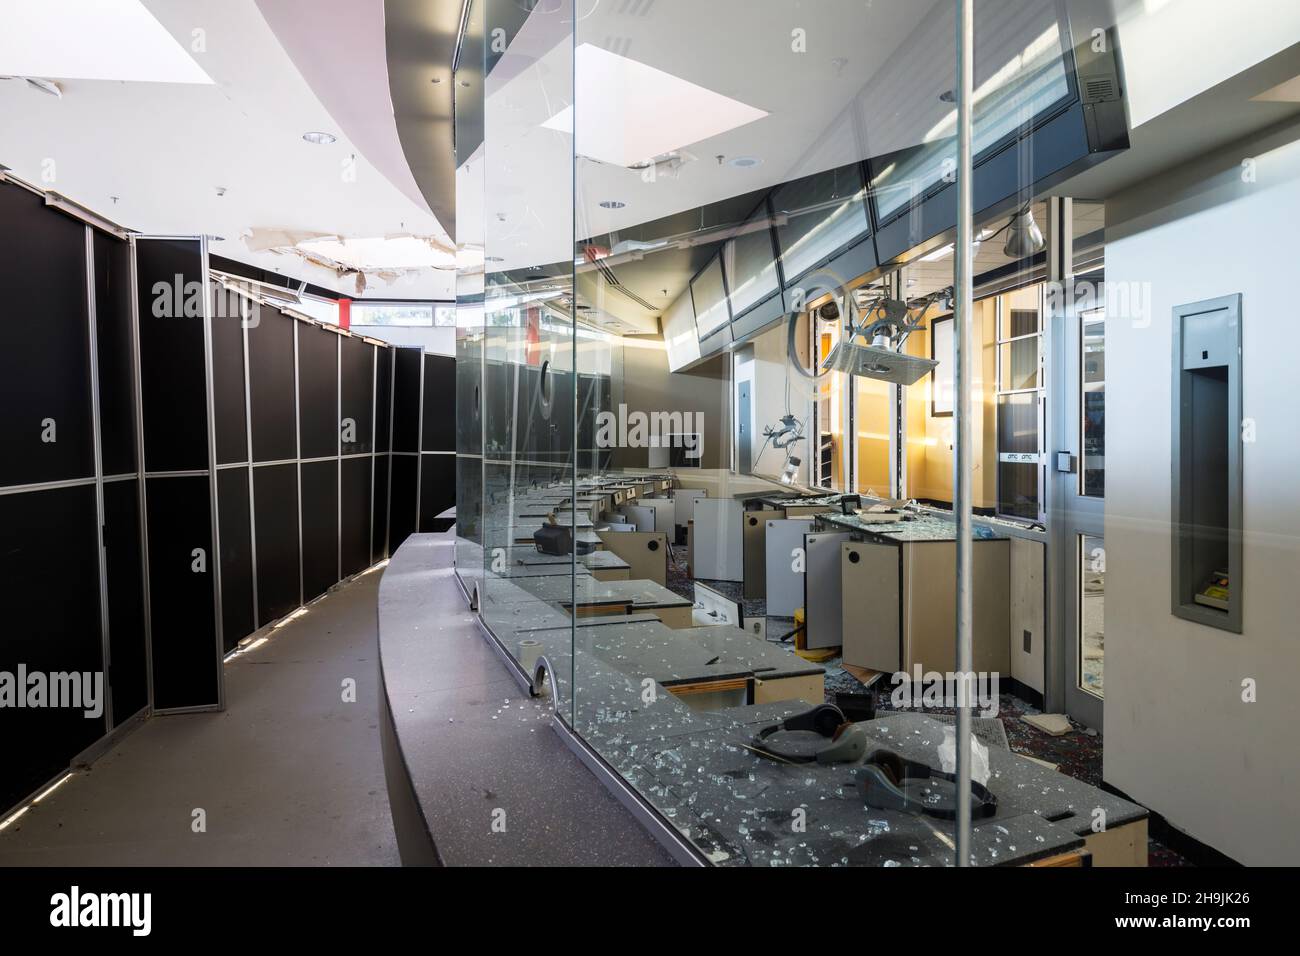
[{"x": 817, "y": 655}]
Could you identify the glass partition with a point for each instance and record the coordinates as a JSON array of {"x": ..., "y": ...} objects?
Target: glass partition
[{"x": 721, "y": 417}]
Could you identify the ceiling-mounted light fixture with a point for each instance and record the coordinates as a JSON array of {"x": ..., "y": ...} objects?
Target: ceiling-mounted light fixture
[
  {"x": 612, "y": 204},
  {"x": 1024, "y": 238},
  {"x": 744, "y": 162},
  {"x": 320, "y": 139}
]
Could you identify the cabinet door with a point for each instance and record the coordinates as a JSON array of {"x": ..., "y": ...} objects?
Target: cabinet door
[{"x": 872, "y": 625}]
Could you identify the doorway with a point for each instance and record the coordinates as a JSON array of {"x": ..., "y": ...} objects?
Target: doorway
[{"x": 1079, "y": 489}]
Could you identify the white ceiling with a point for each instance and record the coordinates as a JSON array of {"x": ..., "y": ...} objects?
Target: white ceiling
[
  {"x": 804, "y": 64},
  {"x": 319, "y": 36},
  {"x": 113, "y": 40},
  {"x": 164, "y": 149}
]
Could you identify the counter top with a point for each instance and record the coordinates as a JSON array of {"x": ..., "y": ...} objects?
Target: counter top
[
  {"x": 461, "y": 740},
  {"x": 921, "y": 527}
]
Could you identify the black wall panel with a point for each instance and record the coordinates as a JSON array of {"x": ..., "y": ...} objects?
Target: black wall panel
[
  {"x": 318, "y": 391},
  {"x": 116, "y": 354},
  {"x": 236, "y": 556},
  {"x": 49, "y": 586},
  {"x": 439, "y": 403},
  {"x": 182, "y": 613},
  {"x": 406, "y": 400},
  {"x": 354, "y": 515},
  {"x": 275, "y": 499},
  {"x": 126, "y": 648},
  {"x": 384, "y": 397},
  {"x": 172, "y": 361},
  {"x": 320, "y": 527},
  {"x": 228, "y": 378},
  {"x": 379, "y": 522},
  {"x": 437, "y": 491},
  {"x": 271, "y": 387},
  {"x": 44, "y": 343},
  {"x": 402, "y": 508},
  {"x": 357, "y": 381}
]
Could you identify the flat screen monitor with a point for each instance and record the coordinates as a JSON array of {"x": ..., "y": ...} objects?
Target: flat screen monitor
[
  {"x": 818, "y": 216},
  {"x": 749, "y": 261},
  {"x": 709, "y": 296}
]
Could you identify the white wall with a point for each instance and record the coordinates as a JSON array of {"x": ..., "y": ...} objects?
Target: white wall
[
  {"x": 435, "y": 339},
  {"x": 1179, "y": 738},
  {"x": 1175, "y": 49},
  {"x": 763, "y": 363}
]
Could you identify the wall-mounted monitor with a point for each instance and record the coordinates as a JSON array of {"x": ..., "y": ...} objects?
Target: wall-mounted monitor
[
  {"x": 709, "y": 296},
  {"x": 817, "y": 216},
  {"x": 1020, "y": 73},
  {"x": 1049, "y": 101},
  {"x": 749, "y": 262}
]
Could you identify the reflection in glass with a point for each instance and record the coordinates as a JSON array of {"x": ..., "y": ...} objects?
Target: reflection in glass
[
  {"x": 1092, "y": 382},
  {"x": 1019, "y": 76},
  {"x": 750, "y": 264},
  {"x": 817, "y": 216},
  {"x": 710, "y": 298},
  {"x": 1092, "y": 616},
  {"x": 1018, "y": 456}
]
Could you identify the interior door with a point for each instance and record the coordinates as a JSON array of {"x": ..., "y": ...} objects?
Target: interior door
[{"x": 1078, "y": 517}]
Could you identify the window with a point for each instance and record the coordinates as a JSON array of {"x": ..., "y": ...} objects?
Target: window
[
  {"x": 1092, "y": 613},
  {"x": 818, "y": 216},
  {"x": 941, "y": 380},
  {"x": 1020, "y": 77},
  {"x": 1019, "y": 413},
  {"x": 1092, "y": 404},
  {"x": 403, "y": 314},
  {"x": 322, "y": 310},
  {"x": 710, "y": 299},
  {"x": 830, "y": 411},
  {"x": 750, "y": 263}
]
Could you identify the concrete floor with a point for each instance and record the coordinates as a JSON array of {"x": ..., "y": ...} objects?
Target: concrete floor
[{"x": 288, "y": 775}]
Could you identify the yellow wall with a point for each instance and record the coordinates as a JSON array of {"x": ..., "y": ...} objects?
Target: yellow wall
[
  {"x": 930, "y": 439},
  {"x": 871, "y": 408}
]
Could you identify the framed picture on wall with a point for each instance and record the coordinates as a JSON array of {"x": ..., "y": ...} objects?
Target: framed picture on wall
[{"x": 941, "y": 379}]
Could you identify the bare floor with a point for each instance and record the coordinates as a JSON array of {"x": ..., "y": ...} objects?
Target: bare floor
[{"x": 290, "y": 774}]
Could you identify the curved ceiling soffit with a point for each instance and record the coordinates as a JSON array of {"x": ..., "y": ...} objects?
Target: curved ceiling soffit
[
  {"x": 339, "y": 48},
  {"x": 420, "y": 38}
]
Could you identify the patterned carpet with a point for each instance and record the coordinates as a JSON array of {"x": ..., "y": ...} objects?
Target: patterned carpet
[{"x": 1077, "y": 754}]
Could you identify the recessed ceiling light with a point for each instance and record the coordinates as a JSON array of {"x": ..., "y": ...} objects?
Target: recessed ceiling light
[
  {"x": 320, "y": 139},
  {"x": 495, "y": 259},
  {"x": 744, "y": 162},
  {"x": 612, "y": 204}
]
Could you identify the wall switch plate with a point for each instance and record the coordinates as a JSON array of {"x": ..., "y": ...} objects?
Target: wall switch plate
[{"x": 758, "y": 627}]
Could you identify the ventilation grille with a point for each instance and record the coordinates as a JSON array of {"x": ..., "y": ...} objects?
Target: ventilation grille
[
  {"x": 612, "y": 281},
  {"x": 1098, "y": 88}
]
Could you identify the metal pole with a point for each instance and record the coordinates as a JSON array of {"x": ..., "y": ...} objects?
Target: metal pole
[{"x": 963, "y": 341}]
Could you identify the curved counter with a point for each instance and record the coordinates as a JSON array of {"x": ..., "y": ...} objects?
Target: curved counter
[{"x": 475, "y": 773}]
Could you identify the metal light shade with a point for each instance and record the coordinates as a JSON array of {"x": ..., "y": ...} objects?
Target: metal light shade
[{"x": 1024, "y": 238}]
